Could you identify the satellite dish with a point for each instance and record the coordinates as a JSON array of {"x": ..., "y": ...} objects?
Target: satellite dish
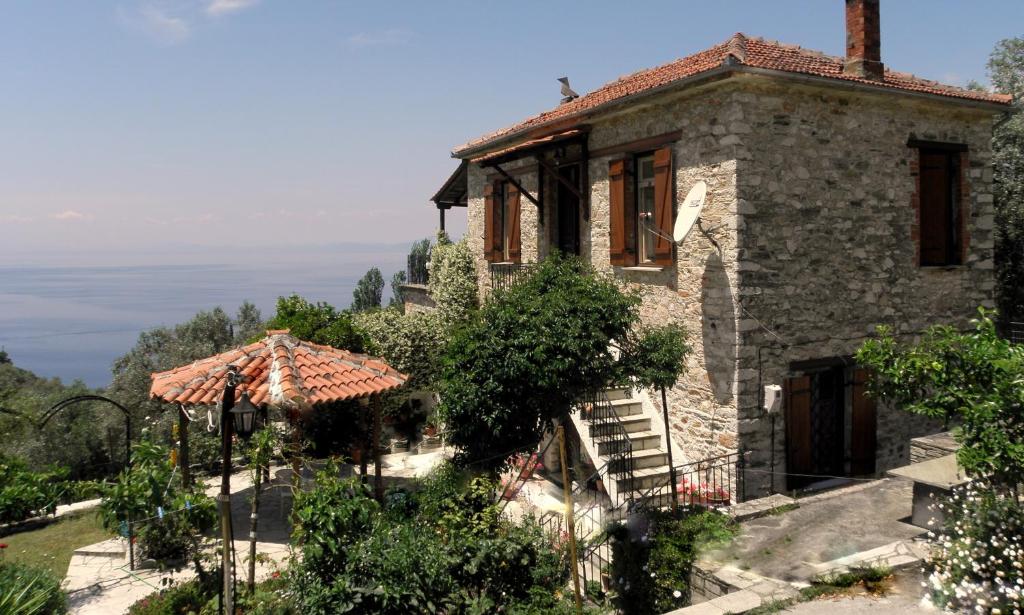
[{"x": 689, "y": 211}]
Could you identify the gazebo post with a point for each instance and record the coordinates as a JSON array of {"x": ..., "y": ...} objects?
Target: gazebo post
[
  {"x": 183, "y": 461},
  {"x": 378, "y": 482},
  {"x": 296, "y": 458}
]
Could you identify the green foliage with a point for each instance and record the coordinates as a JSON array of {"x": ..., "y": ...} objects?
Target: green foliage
[
  {"x": 452, "y": 282},
  {"x": 316, "y": 322},
  {"x": 530, "y": 352},
  {"x": 411, "y": 343},
  {"x": 654, "y": 355},
  {"x": 368, "y": 292},
  {"x": 201, "y": 597},
  {"x": 147, "y": 487},
  {"x": 24, "y": 493},
  {"x": 1006, "y": 71},
  {"x": 438, "y": 548},
  {"x": 975, "y": 377},
  {"x": 25, "y": 590},
  {"x": 651, "y": 572},
  {"x": 334, "y": 428},
  {"x": 397, "y": 300}
]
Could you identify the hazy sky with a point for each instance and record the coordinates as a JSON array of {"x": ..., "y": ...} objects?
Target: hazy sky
[{"x": 141, "y": 125}]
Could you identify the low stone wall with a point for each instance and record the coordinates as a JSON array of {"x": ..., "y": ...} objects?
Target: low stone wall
[
  {"x": 417, "y": 298},
  {"x": 932, "y": 447},
  {"x": 705, "y": 586}
]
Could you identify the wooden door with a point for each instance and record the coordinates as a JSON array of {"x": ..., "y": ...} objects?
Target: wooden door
[
  {"x": 863, "y": 434},
  {"x": 799, "y": 458}
]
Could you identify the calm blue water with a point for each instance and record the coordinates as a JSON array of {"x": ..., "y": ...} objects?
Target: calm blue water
[{"x": 72, "y": 322}]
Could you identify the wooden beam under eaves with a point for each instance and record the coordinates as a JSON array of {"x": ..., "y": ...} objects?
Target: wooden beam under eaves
[{"x": 519, "y": 187}]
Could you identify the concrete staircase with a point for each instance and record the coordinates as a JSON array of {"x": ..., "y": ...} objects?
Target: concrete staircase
[{"x": 603, "y": 443}]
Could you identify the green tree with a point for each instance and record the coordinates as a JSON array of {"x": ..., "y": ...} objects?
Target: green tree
[
  {"x": 529, "y": 353},
  {"x": 397, "y": 298},
  {"x": 368, "y": 292},
  {"x": 1006, "y": 71},
  {"x": 248, "y": 322},
  {"x": 973, "y": 377},
  {"x": 316, "y": 322}
]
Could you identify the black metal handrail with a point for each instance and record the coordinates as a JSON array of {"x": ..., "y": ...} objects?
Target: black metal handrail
[
  {"x": 1015, "y": 331},
  {"x": 505, "y": 275},
  {"x": 714, "y": 482},
  {"x": 417, "y": 270},
  {"x": 607, "y": 431}
]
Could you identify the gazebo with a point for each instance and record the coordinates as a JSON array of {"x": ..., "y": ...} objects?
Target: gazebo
[{"x": 284, "y": 372}]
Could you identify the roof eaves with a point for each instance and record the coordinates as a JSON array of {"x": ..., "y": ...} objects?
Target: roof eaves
[
  {"x": 832, "y": 82},
  {"x": 498, "y": 143}
]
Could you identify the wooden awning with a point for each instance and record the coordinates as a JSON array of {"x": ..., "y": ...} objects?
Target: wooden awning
[
  {"x": 528, "y": 147},
  {"x": 455, "y": 189}
]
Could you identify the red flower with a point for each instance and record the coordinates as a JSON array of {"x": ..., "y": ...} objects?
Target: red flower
[
  {"x": 3, "y": 545},
  {"x": 275, "y": 574}
]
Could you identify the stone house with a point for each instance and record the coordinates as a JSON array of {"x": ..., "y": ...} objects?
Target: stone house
[{"x": 841, "y": 195}]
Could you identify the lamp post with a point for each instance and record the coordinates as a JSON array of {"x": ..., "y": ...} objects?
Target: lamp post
[{"x": 241, "y": 419}]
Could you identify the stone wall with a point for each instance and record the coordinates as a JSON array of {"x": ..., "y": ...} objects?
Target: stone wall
[
  {"x": 416, "y": 298},
  {"x": 826, "y": 182},
  {"x": 809, "y": 208}
]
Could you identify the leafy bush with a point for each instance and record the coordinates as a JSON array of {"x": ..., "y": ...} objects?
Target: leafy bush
[
  {"x": 452, "y": 281},
  {"x": 25, "y": 590},
  {"x": 269, "y": 598},
  {"x": 146, "y": 490},
  {"x": 25, "y": 494},
  {"x": 316, "y": 322},
  {"x": 411, "y": 343},
  {"x": 440, "y": 547},
  {"x": 977, "y": 565},
  {"x": 651, "y": 572},
  {"x": 974, "y": 377}
]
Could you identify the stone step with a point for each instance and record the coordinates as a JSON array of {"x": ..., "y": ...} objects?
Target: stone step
[
  {"x": 649, "y": 458},
  {"x": 663, "y": 499},
  {"x": 640, "y": 440},
  {"x": 642, "y": 479},
  {"x": 617, "y": 394},
  {"x": 627, "y": 407},
  {"x": 632, "y": 424}
]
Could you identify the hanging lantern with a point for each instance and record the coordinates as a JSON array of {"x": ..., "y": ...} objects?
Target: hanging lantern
[{"x": 244, "y": 416}]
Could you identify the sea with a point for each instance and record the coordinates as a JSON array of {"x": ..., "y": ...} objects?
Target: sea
[{"x": 72, "y": 322}]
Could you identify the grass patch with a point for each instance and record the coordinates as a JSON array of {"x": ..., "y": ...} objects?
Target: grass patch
[
  {"x": 50, "y": 547},
  {"x": 872, "y": 578},
  {"x": 781, "y": 510}
]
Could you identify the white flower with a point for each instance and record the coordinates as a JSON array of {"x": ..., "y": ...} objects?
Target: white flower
[{"x": 677, "y": 594}]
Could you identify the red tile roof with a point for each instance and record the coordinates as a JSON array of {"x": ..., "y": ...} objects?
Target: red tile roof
[
  {"x": 279, "y": 370},
  {"x": 738, "y": 51}
]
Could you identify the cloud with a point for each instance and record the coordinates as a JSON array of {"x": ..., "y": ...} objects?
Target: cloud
[
  {"x": 16, "y": 219},
  {"x": 155, "y": 22},
  {"x": 224, "y": 7},
  {"x": 380, "y": 38},
  {"x": 70, "y": 214}
]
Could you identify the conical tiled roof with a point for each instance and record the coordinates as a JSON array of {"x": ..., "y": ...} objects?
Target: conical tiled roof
[{"x": 279, "y": 370}]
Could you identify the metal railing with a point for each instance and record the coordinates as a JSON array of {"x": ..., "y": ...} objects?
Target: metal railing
[
  {"x": 611, "y": 440},
  {"x": 505, "y": 275},
  {"x": 417, "y": 270},
  {"x": 715, "y": 482},
  {"x": 1015, "y": 332}
]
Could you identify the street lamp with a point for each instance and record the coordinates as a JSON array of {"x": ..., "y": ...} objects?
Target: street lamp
[{"x": 244, "y": 415}]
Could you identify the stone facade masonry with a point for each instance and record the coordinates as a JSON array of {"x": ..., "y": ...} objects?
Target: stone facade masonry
[{"x": 810, "y": 203}]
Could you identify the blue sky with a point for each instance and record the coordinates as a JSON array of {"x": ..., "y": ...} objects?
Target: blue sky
[{"x": 137, "y": 126}]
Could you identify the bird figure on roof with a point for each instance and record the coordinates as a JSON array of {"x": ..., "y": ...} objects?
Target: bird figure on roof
[{"x": 567, "y": 92}]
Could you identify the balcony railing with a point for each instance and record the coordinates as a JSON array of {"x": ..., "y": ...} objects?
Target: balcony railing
[
  {"x": 417, "y": 271},
  {"x": 1015, "y": 332},
  {"x": 504, "y": 275}
]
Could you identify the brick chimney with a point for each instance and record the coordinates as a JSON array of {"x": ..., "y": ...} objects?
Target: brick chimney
[{"x": 863, "y": 40}]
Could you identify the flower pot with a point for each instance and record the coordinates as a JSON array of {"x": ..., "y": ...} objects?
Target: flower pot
[{"x": 430, "y": 431}]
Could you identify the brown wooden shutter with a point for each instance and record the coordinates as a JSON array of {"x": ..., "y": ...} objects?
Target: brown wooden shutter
[
  {"x": 514, "y": 235},
  {"x": 798, "y": 426},
  {"x": 664, "y": 197},
  {"x": 863, "y": 440},
  {"x": 935, "y": 206},
  {"x": 489, "y": 218},
  {"x": 622, "y": 213}
]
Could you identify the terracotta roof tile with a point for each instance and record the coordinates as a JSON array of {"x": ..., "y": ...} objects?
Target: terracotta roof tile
[
  {"x": 280, "y": 370},
  {"x": 739, "y": 50}
]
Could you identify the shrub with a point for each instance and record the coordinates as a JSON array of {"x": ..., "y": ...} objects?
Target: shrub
[
  {"x": 25, "y": 494},
  {"x": 977, "y": 565},
  {"x": 168, "y": 520},
  {"x": 651, "y": 571},
  {"x": 25, "y": 590},
  {"x": 452, "y": 280}
]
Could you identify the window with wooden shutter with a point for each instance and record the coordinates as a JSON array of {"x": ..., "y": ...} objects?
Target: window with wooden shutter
[
  {"x": 622, "y": 213},
  {"x": 513, "y": 237},
  {"x": 939, "y": 203},
  {"x": 664, "y": 205},
  {"x": 490, "y": 214}
]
